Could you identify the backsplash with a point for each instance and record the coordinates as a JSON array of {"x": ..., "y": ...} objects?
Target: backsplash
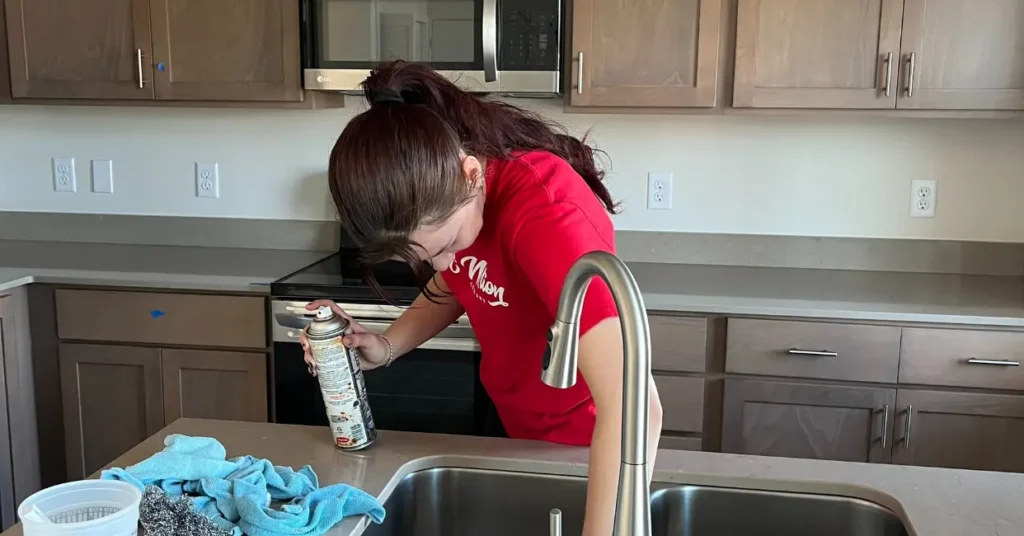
[{"x": 836, "y": 176}]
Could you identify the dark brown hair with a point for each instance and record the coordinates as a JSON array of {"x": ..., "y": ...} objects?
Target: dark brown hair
[{"x": 397, "y": 165}]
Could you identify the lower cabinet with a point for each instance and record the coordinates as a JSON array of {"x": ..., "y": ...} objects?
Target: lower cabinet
[
  {"x": 959, "y": 430},
  {"x": 114, "y": 397},
  {"x": 804, "y": 420}
]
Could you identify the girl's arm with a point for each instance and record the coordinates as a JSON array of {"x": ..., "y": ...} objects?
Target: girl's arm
[
  {"x": 600, "y": 363},
  {"x": 424, "y": 318}
]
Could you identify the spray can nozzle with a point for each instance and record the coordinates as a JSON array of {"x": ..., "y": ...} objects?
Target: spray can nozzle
[{"x": 324, "y": 313}]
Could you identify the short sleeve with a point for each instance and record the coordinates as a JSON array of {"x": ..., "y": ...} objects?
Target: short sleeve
[{"x": 546, "y": 246}]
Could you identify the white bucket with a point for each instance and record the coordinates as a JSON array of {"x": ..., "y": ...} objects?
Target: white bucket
[{"x": 82, "y": 508}]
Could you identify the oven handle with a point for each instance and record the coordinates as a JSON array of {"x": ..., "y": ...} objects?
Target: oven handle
[
  {"x": 489, "y": 38},
  {"x": 287, "y": 328}
]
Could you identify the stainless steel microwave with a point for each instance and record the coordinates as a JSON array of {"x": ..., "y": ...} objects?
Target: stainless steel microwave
[{"x": 495, "y": 46}]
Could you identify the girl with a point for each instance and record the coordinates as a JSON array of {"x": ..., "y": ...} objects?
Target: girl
[{"x": 500, "y": 203}]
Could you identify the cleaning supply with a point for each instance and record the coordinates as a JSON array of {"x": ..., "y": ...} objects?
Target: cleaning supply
[
  {"x": 238, "y": 493},
  {"x": 163, "y": 515},
  {"x": 82, "y": 508}
]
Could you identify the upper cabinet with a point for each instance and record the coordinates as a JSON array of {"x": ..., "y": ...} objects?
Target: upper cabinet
[
  {"x": 657, "y": 53},
  {"x": 5, "y": 72},
  {"x": 242, "y": 51},
  {"x": 880, "y": 54},
  {"x": 80, "y": 50},
  {"x": 961, "y": 55},
  {"x": 226, "y": 50},
  {"x": 817, "y": 53}
]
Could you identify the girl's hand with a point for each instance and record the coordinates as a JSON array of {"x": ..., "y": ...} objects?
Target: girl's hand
[{"x": 373, "y": 351}]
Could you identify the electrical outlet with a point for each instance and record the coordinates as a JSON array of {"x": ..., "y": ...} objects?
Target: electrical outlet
[
  {"x": 64, "y": 175},
  {"x": 103, "y": 176},
  {"x": 207, "y": 180},
  {"x": 924, "y": 196},
  {"x": 659, "y": 191}
]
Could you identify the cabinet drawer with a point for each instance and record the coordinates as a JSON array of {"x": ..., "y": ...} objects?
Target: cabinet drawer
[
  {"x": 682, "y": 403},
  {"x": 963, "y": 358},
  {"x": 813, "y": 350},
  {"x": 679, "y": 443},
  {"x": 678, "y": 343},
  {"x": 162, "y": 318}
]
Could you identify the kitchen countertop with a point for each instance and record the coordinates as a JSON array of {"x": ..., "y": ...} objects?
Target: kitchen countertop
[
  {"x": 932, "y": 502},
  {"x": 735, "y": 290}
]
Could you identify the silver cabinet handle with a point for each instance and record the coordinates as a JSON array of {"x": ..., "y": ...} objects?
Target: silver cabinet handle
[
  {"x": 555, "y": 522},
  {"x": 906, "y": 431},
  {"x": 888, "y": 75},
  {"x": 818, "y": 353},
  {"x": 489, "y": 38},
  {"x": 911, "y": 66},
  {"x": 579, "y": 73},
  {"x": 997, "y": 362},
  {"x": 885, "y": 427},
  {"x": 138, "y": 61}
]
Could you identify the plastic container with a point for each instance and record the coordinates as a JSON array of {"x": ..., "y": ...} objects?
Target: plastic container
[{"x": 82, "y": 508}]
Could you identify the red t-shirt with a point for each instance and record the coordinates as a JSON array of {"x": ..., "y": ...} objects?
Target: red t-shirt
[{"x": 539, "y": 218}]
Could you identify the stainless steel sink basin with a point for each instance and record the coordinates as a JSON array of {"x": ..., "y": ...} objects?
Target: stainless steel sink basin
[{"x": 465, "y": 502}]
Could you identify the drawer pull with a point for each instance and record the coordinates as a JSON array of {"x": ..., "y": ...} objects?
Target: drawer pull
[
  {"x": 997, "y": 362},
  {"x": 885, "y": 427},
  {"x": 818, "y": 353},
  {"x": 906, "y": 431}
]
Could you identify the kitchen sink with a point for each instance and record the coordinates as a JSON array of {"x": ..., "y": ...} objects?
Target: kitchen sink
[{"x": 469, "y": 502}]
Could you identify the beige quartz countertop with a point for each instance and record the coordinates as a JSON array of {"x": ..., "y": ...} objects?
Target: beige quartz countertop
[
  {"x": 931, "y": 502},
  {"x": 734, "y": 290},
  {"x": 166, "y": 267}
]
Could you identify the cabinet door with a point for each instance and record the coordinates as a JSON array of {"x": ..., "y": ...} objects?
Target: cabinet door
[
  {"x": 656, "y": 53},
  {"x": 965, "y": 55},
  {"x": 8, "y": 350},
  {"x": 214, "y": 385},
  {"x": 959, "y": 430},
  {"x": 112, "y": 401},
  {"x": 70, "y": 49},
  {"x": 797, "y": 420},
  {"x": 817, "y": 53},
  {"x": 5, "y": 71},
  {"x": 240, "y": 50}
]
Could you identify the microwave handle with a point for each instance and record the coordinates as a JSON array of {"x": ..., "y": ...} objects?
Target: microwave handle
[{"x": 489, "y": 36}]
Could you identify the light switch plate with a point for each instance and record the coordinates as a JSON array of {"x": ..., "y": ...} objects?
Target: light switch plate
[
  {"x": 64, "y": 175},
  {"x": 103, "y": 176}
]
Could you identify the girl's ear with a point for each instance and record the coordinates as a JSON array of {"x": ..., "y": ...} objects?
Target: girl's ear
[{"x": 473, "y": 170}]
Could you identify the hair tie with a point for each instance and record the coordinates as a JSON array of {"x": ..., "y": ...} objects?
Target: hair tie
[{"x": 378, "y": 96}]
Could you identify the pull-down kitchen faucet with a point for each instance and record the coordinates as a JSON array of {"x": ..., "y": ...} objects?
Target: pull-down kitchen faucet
[{"x": 633, "y": 504}]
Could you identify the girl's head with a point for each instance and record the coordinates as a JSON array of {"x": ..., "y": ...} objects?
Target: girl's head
[{"x": 407, "y": 175}]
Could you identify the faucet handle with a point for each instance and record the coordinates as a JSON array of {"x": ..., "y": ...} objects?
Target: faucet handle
[{"x": 555, "y": 522}]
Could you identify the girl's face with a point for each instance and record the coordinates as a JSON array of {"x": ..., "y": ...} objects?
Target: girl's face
[{"x": 441, "y": 241}]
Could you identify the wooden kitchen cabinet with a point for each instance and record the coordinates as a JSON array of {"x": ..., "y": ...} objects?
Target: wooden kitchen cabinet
[
  {"x": 5, "y": 70},
  {"x": 959, "y": 430},
  {"x": 803, "y": 420},
  {"x": 660, "y": 53},
  {"x": 818, "y": 53},
  {"x": 70, "y": 49},
  {"x": 8, "y": 351},
  {"x": 242, "y": 50},
  {"x": 965, "y": 55},
  {"x": 112, "y": 401},
  {"x": 208, "y": 384}
]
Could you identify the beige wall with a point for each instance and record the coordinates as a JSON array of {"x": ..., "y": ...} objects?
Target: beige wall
[{"x": 816, "y": 176}]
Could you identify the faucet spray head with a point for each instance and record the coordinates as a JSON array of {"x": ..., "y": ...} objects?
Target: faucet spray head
[{"x": 561, "y": 356}]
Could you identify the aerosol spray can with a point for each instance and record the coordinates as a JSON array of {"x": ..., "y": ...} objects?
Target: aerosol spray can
[{"x": 341, "y": 381}]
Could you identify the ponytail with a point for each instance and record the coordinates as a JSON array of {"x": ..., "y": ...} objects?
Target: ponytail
[{"x": 485, "y": 128}]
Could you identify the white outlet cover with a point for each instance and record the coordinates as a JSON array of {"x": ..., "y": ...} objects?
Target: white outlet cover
[
  {"x": 659, "y": 191},
  {"x": 64, "y": 175},
  {"x": 207, "y": 180},
  {"x": 924, "y": 195},
  {"x": 103, "y": 176}
]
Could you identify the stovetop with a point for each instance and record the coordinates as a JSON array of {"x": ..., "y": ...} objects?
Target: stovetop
[{"x": 339, "y": 277}]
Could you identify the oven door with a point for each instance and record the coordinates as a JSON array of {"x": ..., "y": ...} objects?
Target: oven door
[
  {"x": 511, "y": 46},
  {"x": 435, "y": 388}
]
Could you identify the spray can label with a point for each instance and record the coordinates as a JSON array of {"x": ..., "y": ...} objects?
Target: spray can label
[{"x": 344, "y": 393}]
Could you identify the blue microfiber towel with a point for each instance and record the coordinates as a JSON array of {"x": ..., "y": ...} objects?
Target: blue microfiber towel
[{"x": 236, "y": 493}]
